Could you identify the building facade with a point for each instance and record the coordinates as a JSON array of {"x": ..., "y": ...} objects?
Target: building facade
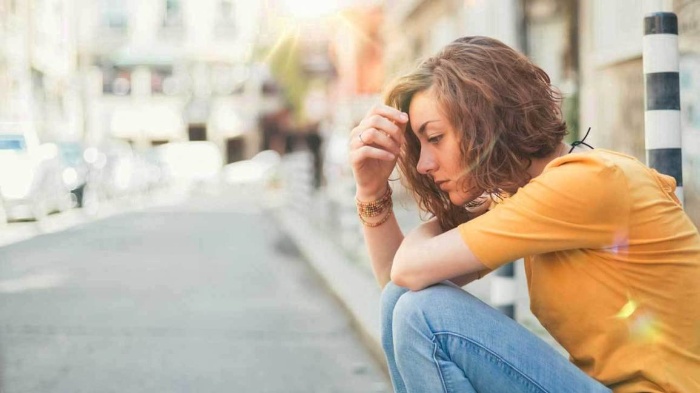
[
  {"x": 38, "y": 85},
  {"x": 172, "y": 70}
]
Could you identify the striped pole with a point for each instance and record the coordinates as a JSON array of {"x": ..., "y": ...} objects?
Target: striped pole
[
  {"x": 662, "y": 118},
  {"x": 503, "y": 289}
]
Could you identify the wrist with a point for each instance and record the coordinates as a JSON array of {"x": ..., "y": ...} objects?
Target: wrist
[
  {"x": 377, "y": 211},
  {"x": 371, "y": 195}
]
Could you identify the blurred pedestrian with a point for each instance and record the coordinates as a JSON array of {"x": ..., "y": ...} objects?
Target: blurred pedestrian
[
  {"x": 612, "y": 260},
  {"x": 314, "y": 142},
  {"x": 276, "y": 128}
]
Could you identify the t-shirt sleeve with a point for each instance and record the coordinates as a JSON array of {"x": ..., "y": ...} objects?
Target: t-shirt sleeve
[{"x": 579, "y": 202}]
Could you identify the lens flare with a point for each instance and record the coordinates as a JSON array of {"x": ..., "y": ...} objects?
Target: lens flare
[
  {"x": 645, "y": 328},
  {"x": 627, "y": 310}
]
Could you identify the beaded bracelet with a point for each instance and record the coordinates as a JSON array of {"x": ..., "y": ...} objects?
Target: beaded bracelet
[
  {"x": 374, "y": 208},
  {"x": 376, "y": 224}
]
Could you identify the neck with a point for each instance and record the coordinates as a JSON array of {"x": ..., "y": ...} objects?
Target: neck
[{"x": 538, "y": 164}]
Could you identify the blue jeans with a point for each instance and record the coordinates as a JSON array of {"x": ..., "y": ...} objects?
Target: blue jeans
[{"x": 443, "y": 339}]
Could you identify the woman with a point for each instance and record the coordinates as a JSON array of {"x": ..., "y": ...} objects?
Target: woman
[{"x": 612, "y": 261}]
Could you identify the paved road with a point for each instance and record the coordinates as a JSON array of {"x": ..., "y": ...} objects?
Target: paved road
[{"x": 204, "y": 297}]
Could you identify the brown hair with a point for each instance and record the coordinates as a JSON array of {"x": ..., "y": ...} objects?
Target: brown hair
[{"x": 502, "y": 104}]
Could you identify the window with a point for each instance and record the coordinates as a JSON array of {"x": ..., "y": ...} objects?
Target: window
[
  {"x": 114, "y": 14},
  {"x": 226, "y": 19},
  {"x": 227, "y": 11},
  {"x": 162, "y": 81},
  {"x": 116, "y": 80},
  {"x": 173, "y": 13},
  {"x": 12, "y": 142}
]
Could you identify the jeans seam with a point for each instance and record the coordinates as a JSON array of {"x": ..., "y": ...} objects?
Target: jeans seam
[
  {"x": 485, "y": 349},
  {"x": 437, "y": 364}
]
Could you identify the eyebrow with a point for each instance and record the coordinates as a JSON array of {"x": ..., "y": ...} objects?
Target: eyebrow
[{"x": 421, "y": 129}]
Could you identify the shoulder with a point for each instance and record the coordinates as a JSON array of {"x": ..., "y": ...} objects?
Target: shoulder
[
  {"x": 595, "y": 161},
  {"x": 579, "y": 201},
  {"x": 588, "y": 172},
  {"x": 593, "y": 183}
]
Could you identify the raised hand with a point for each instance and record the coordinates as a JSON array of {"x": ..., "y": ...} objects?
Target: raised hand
[{"x": 374, "y": 148}]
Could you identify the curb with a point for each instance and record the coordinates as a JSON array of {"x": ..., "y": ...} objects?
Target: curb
[{"x": 356, "y": 290}]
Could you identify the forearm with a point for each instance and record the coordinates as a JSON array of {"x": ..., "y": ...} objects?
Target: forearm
[
  {"x": 382, "y": 234},
  {"x": 382, "y": 242},
  {"x": 375, "y": 145},
  {"x": 465, "y": 279},
  {"x": 427, "y": 256}
]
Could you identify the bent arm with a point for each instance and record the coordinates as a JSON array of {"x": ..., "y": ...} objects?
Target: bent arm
[
  {"x": 428, "y": 256},
  {"x": 465, "y": 279},
  {"x": 382, "y": 242}
]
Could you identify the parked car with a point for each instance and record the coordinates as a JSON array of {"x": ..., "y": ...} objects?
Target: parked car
[
  {"x": 75, "y": 169},
  {"x": 31, "y": 181},
  {"x": 258, "y": 171},
  {"x": 191, "y": 166},
  {"x": 120, "y": 176}
]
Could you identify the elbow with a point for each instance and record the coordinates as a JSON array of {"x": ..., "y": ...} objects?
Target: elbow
[
  {"x": 404, "y": 277},
  {"x": 398, "y": 278}
]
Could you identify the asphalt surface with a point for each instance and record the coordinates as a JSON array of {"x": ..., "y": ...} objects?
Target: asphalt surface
[{"x": 205, "y": 296}]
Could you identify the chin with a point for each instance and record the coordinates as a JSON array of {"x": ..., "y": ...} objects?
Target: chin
[{"x": 458, "y": 199}]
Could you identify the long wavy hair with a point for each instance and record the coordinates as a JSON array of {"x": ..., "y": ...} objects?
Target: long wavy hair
[{"x": 504, "y": 107}]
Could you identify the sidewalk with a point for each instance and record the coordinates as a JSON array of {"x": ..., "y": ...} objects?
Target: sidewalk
[{"x": 354, "y": 287}]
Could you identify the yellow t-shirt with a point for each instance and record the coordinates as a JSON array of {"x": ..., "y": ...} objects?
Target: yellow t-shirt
[{"x": 613, "y": 268}]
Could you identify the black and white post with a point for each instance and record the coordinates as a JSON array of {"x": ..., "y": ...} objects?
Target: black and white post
[{"x": 662, "y": 117}]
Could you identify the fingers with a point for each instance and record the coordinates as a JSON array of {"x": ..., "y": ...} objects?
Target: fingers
[
  {"x": 364, "y": 152},
  {"x": 383, "y": 126},
  {"x": 377, "y": 138},
  {"x": 386, "y": 126},
  {"x": 388, "y": 112},
  {"x": 387, "y": 119}
]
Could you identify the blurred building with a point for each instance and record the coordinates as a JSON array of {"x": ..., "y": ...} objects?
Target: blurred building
[
  {"x": 15, "y": 70},
  {"x": 38, "y": 84},
  {"x": 172, "y": 70}
]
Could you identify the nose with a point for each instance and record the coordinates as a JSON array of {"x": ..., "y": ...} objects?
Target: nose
[{"x": 426, "y": 162}]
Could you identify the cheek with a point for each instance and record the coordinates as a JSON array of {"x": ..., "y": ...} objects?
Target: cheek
[
  {"x": 466, "y": 187},
  {"x": 456, "y": 168}
]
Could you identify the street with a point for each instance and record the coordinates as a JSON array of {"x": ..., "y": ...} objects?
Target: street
[{"x": 203, "y": 296}]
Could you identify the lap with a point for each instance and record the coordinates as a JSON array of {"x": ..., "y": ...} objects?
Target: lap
[{"x": 488, "y": 347}]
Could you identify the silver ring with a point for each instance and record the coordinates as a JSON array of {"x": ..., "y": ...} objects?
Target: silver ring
[{"x": 360, "y": 137}]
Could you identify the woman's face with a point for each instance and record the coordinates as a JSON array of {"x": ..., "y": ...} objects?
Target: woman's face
[{"x": 440, "y": 154}]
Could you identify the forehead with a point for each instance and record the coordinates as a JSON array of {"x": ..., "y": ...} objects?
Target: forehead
[
  {"x": 424, "y": 108},
  {"x": 423, "y": 103}
]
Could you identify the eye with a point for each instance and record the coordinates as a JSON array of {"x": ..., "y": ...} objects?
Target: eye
[{"x": 435, "y": 139}]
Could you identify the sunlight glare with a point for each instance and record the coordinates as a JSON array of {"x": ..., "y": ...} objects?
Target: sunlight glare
[
  {"x": 627, "y": 310},
  {"x": 309, "y": 9}
]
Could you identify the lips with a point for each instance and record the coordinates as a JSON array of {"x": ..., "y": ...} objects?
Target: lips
[{"x": 440, "y": 184}]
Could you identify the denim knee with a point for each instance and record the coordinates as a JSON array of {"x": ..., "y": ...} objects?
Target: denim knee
[
  {"x": 411, "y": 332},
  {"x": 416, "y": 310},
  {"x": 412, "y": 305},
  {"x": 390, "y": 296}
]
